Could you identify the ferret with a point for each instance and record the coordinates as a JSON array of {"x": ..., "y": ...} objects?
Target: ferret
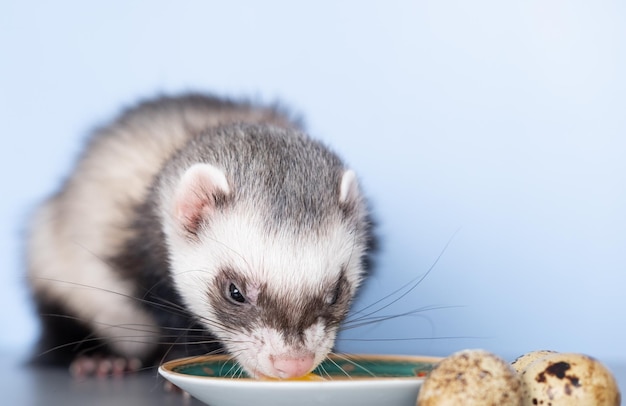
[{"x": 193, "y": 224}]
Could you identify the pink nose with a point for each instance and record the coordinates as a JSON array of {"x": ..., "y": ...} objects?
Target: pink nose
[{"x": 292, "y": 367}]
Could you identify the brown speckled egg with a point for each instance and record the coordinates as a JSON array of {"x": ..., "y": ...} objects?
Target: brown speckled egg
[
  {"x": 569, "y": 379},
  {"x": 471, "y": 377},
  {"x": 523, "y": 361}
]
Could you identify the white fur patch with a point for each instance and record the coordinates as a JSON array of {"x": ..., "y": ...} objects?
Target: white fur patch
[
  {"x": 73, "y": 233},
  {"x": 256, "y": 351},
  {"x": 288, "y": 265},
  {"x": 66, "y": 271}
]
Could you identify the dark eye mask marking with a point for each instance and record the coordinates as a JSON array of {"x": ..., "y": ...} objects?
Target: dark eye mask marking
[{"x": 292, "y": 315}]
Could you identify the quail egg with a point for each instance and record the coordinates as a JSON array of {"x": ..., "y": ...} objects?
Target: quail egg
[
  {"x": 523, "y": 361},
  {"x": 569, "y": 379},
  {"x": 471, "y": 377}
]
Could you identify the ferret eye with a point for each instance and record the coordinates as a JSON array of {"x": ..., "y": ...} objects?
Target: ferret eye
[{"x": 235, "y": 294}]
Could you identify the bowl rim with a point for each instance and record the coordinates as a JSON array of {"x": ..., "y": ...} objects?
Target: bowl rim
[{"x": 168, "y": 368}]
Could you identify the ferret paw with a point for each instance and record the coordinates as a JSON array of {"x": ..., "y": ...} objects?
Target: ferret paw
[{"x": 102, "y": 367}]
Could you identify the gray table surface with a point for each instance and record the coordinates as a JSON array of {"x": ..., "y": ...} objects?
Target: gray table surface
[{"x": 27, "y": 386}]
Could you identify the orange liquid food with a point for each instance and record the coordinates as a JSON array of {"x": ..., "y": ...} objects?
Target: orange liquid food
[{"x": 307, "y": 377}]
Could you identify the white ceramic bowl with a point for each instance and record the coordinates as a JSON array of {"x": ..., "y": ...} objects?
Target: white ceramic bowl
[{"x": 362, "y": 380}]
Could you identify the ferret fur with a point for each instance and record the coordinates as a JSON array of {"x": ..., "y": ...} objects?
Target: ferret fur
[{"x": 178, "y": 209}]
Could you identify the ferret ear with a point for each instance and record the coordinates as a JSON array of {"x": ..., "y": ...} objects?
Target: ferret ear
[
  {"x": 200, "y": 191},
  {"x": 349, "y": 189}
]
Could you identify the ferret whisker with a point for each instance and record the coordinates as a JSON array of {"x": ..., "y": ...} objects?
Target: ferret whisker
[
  {"x": 136, "y": 328},
  {"x": 356, "y": 364},
  {"x": 176, "y": 310},
  {"x": 337, "y": 365},
  {"x": 69, "y": 344},
  {"x": 131, "y": 327},
  {"x": 366, "y": 321},
  {"x": 174, "y": 306},
  {"x": 324, "y": 373},
  {"x": 189, "y": 330},
  {"x": 199, "y": 342},
  {"x": 167, "y": 306},
  {"x": 164, "y": 302},
  {"x": 231, "y": 357},
  {"x": 233, "y": 369},
  {"x": 411, "y": 338},
  {"x": 409, "y": 286},
  {"x": 130, "y": 338},
  {"x": 241, "y": 372},
  {"x": 204, "y": 342},
  {"x": 213, "y": 323},
  {"x": 171, "y": 346}
]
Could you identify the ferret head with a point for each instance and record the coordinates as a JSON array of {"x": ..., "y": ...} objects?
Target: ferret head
[{"x": 268, "y": 262}]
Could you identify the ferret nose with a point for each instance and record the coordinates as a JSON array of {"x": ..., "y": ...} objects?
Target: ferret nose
[{"x": 292, "y": 367}]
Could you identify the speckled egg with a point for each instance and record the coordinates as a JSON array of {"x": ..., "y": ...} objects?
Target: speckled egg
[
  {"x": 569, "y": 379},
  {"x": 471, "y": 377},
  {"x": 523, "y": 361}
]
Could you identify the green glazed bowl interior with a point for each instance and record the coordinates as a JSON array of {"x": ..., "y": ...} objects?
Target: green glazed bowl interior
[{"x": 334, "y": 367}]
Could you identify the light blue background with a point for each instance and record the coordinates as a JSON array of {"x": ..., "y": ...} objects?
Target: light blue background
[{"x": 504, "y": 119}]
